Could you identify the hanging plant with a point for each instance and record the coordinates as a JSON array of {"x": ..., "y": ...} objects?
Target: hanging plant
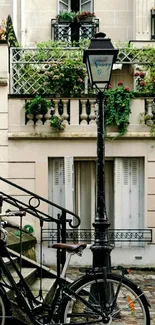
[
  {"x": 117, "y": 107},
  {"x": 56, "y": 123}
]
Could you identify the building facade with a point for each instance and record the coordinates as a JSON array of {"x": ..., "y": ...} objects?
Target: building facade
[{"x": 61, "y": 166}]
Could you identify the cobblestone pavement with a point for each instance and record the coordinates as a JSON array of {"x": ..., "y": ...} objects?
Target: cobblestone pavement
[{"x": 144, "y": 279}]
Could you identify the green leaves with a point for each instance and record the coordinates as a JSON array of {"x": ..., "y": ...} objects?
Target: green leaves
[
  {"x": 37, "y": 105},
  {"x": 56, "y": 123},
  {"x": 117, "y": 107}
]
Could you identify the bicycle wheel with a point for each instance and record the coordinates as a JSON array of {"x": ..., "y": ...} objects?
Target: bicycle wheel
[
  {"x": 125, "y": 302},
  {"x": 5, "y": 311}
]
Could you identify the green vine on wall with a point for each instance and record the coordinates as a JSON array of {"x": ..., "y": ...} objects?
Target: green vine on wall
[{"x": 117, "y": 107}]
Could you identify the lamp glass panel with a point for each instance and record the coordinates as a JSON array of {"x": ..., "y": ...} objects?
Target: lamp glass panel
[{"x": 101, "y": 66}]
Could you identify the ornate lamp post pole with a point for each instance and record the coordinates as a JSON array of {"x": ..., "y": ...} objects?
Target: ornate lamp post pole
[{"x": 99, "y": 59}]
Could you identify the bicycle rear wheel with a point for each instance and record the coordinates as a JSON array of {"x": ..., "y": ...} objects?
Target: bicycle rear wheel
[
  {"x": 131, "y": 306},
  {"x": 5, "y": 310}
]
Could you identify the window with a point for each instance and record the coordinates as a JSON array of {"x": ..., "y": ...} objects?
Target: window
[
  {"x": 72, "y": 184},
  {"x": 75, "y": 5}
]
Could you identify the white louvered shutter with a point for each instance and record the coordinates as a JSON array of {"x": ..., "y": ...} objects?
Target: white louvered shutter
[
  {"x": 61, "y": 185},
  {"x": 129, "y": 193},
  {"x": 117, "y": 193},
  {"x": 56, "y": 184},
  {"x": 69, "y": 186}
]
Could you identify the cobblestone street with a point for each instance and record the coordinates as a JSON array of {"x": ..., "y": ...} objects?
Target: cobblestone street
[{"x": 145, "y": 280}]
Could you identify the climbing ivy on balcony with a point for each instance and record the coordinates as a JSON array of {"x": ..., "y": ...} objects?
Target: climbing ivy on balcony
[{"x": 117, "y": 107}]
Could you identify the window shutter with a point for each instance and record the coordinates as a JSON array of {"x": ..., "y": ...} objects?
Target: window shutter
[
  {"x": 129, "y": 193},
  {"x": 56, "y": 184},
  {"x": 86, "y": 5},
  {"x": 117, "y": 193},
  {"x": 69, "y": 186}
]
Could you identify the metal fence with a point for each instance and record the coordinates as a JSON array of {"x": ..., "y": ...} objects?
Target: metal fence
[
  {"x": 128, "y": 236},
  {"x": 38, "y": 70}
]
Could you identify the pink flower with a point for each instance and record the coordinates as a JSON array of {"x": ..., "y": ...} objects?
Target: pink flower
[
  {"x": 142, "y": 74},
  {"x": 120, "y": 83},
  {"x": 126, "y": 88},
  {"x": 109, "y": 86},
  {"x": 136, "y": 74},
  {"x": 142, "y": 83}
]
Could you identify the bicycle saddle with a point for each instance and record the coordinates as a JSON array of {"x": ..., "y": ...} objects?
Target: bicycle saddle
[{"x": 70, "y": 247}]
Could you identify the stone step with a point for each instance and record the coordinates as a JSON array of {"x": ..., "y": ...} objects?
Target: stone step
[
  {"x": 29, "y": 275},
  {"x": 48, "y": 287},
  {"x": 8, "y": 263},
  {"x": 31, "y": 272}
]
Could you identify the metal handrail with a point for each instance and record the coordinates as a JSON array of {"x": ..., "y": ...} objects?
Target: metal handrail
[{"x": 42, "y": 216}]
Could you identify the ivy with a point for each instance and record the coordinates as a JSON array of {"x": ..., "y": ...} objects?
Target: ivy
[{"x": 117, "y": 107}]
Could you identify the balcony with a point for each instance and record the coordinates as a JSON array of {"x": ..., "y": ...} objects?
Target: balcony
[
  {"x": 73, "y": 32},
  {"x": 79, "y": 119}
]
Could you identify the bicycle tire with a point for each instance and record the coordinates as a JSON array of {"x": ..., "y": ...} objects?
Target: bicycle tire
[
  {"x": 131, "y": 304},
  {"x": 5, "y": 309}
]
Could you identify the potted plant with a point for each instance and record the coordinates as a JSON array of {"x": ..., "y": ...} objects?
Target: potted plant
[
  {"x": 66, "y": 16},
  {"x": 37, "y": 105},
  {"x": 85, "y": 16}
]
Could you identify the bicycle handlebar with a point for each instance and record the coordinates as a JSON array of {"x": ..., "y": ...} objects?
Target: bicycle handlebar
[{"x": 10, "y": 213}]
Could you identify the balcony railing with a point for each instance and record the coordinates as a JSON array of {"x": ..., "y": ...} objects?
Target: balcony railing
[
  {"x": 79, "y": 119},
  {"x": 73, "y": 32},
  {"x": 132, "y": 237}
]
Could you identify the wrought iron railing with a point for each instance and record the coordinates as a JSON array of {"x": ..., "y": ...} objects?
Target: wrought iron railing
[
  {"x": 32, "y": 204},
  {"x": 29, "y": 67},
  {"x": 114, "y": 236},
  {"x": 73, "y": 32}
]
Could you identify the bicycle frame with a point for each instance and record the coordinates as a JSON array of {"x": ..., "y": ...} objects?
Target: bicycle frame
[
  {"x": 22, "y": 284},
  {"x": 22, "y": 289}
]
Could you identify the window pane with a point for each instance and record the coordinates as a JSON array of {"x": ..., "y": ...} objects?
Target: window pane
[
  {"x": 86, "y": 5},
  {"x": 63, "y": 5}
]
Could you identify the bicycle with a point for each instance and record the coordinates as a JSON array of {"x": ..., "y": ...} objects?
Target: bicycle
[{"x": 96, "y": 297}]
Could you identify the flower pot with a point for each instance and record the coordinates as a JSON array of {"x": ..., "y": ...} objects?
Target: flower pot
[
  {"x": 86, "y": 20},
  {"x": 65, "y": 21}
]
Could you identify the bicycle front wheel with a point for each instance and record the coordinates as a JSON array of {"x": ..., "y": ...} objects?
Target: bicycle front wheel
[{"x": 124, "y": 302}]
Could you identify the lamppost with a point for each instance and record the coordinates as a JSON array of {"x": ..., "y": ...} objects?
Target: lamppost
[{"x": 99, "y": 59}]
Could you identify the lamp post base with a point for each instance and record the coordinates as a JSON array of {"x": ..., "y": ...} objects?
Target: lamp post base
[
  {"x": 101, "y": 255},
  {"x": 101, "y": 249}
]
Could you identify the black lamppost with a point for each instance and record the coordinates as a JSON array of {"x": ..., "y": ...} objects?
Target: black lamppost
[{"x": 99, "y": 59}]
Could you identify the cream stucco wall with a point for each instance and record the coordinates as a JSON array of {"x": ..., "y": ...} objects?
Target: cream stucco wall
[{"x": 121, "y": 20}]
